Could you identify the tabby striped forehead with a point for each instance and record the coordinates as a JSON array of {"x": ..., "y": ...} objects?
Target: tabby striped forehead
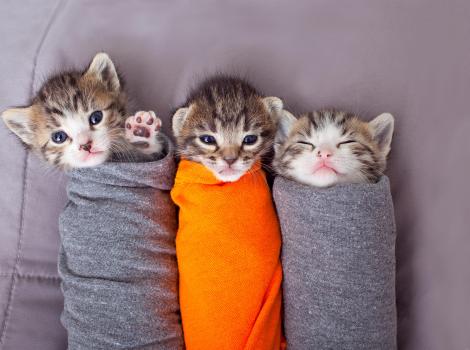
[
  {"x": 226, "y": 105},
  {"x": 232, "y": 103},
  {"x": 320, "y": 120},
  {"x": 344, "y": 133},
  {"x": 69, "y": 93},
  {"x": 227, "y": 109},
  {"x": 243, "y": 117}
]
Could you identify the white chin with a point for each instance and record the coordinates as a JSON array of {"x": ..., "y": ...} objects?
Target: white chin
[
  {"x": 92, "y": 161},
  {"x": 319, "y": 180},
  {"x": 232, "y": 176}
]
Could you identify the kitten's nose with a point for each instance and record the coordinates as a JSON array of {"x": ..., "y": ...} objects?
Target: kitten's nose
[
  {"x": 230, "y": 160},
  {"x": 324, "y": 153},
  {"x": 86, "y": 146}
]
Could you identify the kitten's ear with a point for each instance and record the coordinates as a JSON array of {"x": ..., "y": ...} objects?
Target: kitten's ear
[
  {"x": 18, "y": 120},
  {"x": 102, "y": 68},
  {"x": 284, "y": 126},
  {"x": 178, "y": 120},
  {"x": 273, "y": 104},
  {"x": 382, "y": 131}
]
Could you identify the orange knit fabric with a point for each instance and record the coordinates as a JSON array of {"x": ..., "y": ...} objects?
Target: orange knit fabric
[{"x": 228, "y": 245}]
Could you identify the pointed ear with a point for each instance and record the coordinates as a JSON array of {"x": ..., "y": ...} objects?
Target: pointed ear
[
  {"x": 284, "y": 126},
  {"x": 273, "y": 104},
  {"x": 178, "y": 120},
  {"x": 102, "y": 68},
  {"x": 18, "y": 120},
  {"x": 382, "y": 131}
]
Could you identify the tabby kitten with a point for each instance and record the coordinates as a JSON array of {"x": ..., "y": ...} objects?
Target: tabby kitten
[
  {"x": 77, "y": 119},
  {"x": 226, "y": 125},
  {"x": 328, "y": 147}
]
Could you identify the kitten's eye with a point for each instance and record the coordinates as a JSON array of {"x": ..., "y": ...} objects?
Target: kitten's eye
[
  {"x": 96, "y": 117},
  {"x": 307, "y": 143},
  {"x": 59, "y": 137},
  {"x": 344, "y": 143},
  {"x": 207, "y": 139},
  {"x": 250, "y": 139}
]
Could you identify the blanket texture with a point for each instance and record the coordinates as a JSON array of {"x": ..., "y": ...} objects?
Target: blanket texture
[
  {"x": 338, "y": 258},
  {"x": 228, "y": 245},
  {"x": 117, "y": 259}
]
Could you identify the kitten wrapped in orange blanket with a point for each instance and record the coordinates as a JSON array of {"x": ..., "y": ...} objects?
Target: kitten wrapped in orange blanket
[
  {"x": 228, "y": 246},
  {"x": 228, "y": 242}
]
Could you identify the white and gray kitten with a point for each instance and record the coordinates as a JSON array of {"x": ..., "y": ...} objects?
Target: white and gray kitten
[
  {"x": 329, "y": 147},
  {"x": 226, "y": 125},
  {"x": 78, "y": 119}
]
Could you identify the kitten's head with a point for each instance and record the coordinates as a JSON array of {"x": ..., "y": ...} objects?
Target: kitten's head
[
  {"x": 327, "y": 147},
  {"x": 76, "y": 117},
  {"x": 226, "y": 125}
]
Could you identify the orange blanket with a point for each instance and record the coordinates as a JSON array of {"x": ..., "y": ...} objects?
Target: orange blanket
[{"x": 228, "y": 245}]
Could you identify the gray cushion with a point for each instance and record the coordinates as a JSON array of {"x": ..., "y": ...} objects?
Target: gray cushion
[{"x": 369, "y": 56}]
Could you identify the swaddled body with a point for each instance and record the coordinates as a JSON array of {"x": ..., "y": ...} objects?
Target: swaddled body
[
  {"x": 338, "y": 251},
  {"x": 228, "y": 240},
  {"x": 117, "y": 258},
  {"x": 228, "y": 247}
]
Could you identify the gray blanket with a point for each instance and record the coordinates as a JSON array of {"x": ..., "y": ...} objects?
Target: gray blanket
[
  {"x": 338, "y": 259},
  {"x": 117, "y": 259}
]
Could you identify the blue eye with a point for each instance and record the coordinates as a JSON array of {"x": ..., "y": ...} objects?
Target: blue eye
[
  {"x": 250, "y": 139},
  {"x": 59, "y": 136},
  {"x": 96, "y": 117},
  {"x": 207, "y": 139}
]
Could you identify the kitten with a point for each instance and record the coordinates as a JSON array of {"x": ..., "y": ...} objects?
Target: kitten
[
  {"x": 328, "y": 147},
  {"x": 77, "y": 119},
  {"x": 226, "y": 125}
]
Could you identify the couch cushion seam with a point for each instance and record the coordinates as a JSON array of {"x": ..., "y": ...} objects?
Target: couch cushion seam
[
  {"x": 15, "y": 274},
  {"x": 32, "y": 276}
]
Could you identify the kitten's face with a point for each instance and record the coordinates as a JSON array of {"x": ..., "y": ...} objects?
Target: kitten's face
[
  {"x": 327, "y": 147},
  {"x": 227, "y": 127},
  {"x": 76, "y": 118}
]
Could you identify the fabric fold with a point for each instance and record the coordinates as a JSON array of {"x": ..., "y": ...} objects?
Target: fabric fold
[{"x": 228, "y": 245}]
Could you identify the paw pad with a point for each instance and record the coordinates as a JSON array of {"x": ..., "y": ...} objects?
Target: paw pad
[{"x": 142, "y": 129}]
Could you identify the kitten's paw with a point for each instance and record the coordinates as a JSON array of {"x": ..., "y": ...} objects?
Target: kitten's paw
[{"x": 142, "y": 130}]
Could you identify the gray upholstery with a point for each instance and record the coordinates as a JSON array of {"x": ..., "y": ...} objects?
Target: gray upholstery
[{"x": 410, "y": 58}]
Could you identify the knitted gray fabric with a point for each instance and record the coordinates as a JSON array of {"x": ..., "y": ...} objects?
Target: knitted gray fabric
[
  {"x": 117, "y": 260},
  {"x": 338, "y": 258}
]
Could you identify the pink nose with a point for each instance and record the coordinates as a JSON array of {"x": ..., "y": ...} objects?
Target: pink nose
[
  {"x": 86, "y": 146},
  {"x": 324, "y": 153}
]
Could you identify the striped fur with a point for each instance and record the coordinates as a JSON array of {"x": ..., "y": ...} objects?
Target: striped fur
[
  {"x": 65, "y": 103},
  {"x": 354, "y": 149},
  {"x": 228, "y": 109}
]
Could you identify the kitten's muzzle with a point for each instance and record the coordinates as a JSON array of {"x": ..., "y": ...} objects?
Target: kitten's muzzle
[
  {"x": 86, "y": 146},
  {"x": 230, "y": 160},
  {"x": 324, "y": 153}
]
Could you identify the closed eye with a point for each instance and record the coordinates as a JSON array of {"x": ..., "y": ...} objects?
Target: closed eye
[
  {"x": 345, "y": 142},
  {"x": 307, "y": 143}
]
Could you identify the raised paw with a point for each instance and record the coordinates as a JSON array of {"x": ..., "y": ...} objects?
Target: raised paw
[{"x": 142, "y": 130}]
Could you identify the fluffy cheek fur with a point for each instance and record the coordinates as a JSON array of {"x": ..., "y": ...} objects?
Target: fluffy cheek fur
[
  {"x": 221, "y": 171},
  {"x": 63, "y": 107},
  {"x": 212, "y": 157},
  {"x": 301, "y": 165},
  {"x": 328, "y": 147},
  {"x": 227, "y": 126},
  {"x": 73, "y": 157},
  {"x": 104, "y": 137}
]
